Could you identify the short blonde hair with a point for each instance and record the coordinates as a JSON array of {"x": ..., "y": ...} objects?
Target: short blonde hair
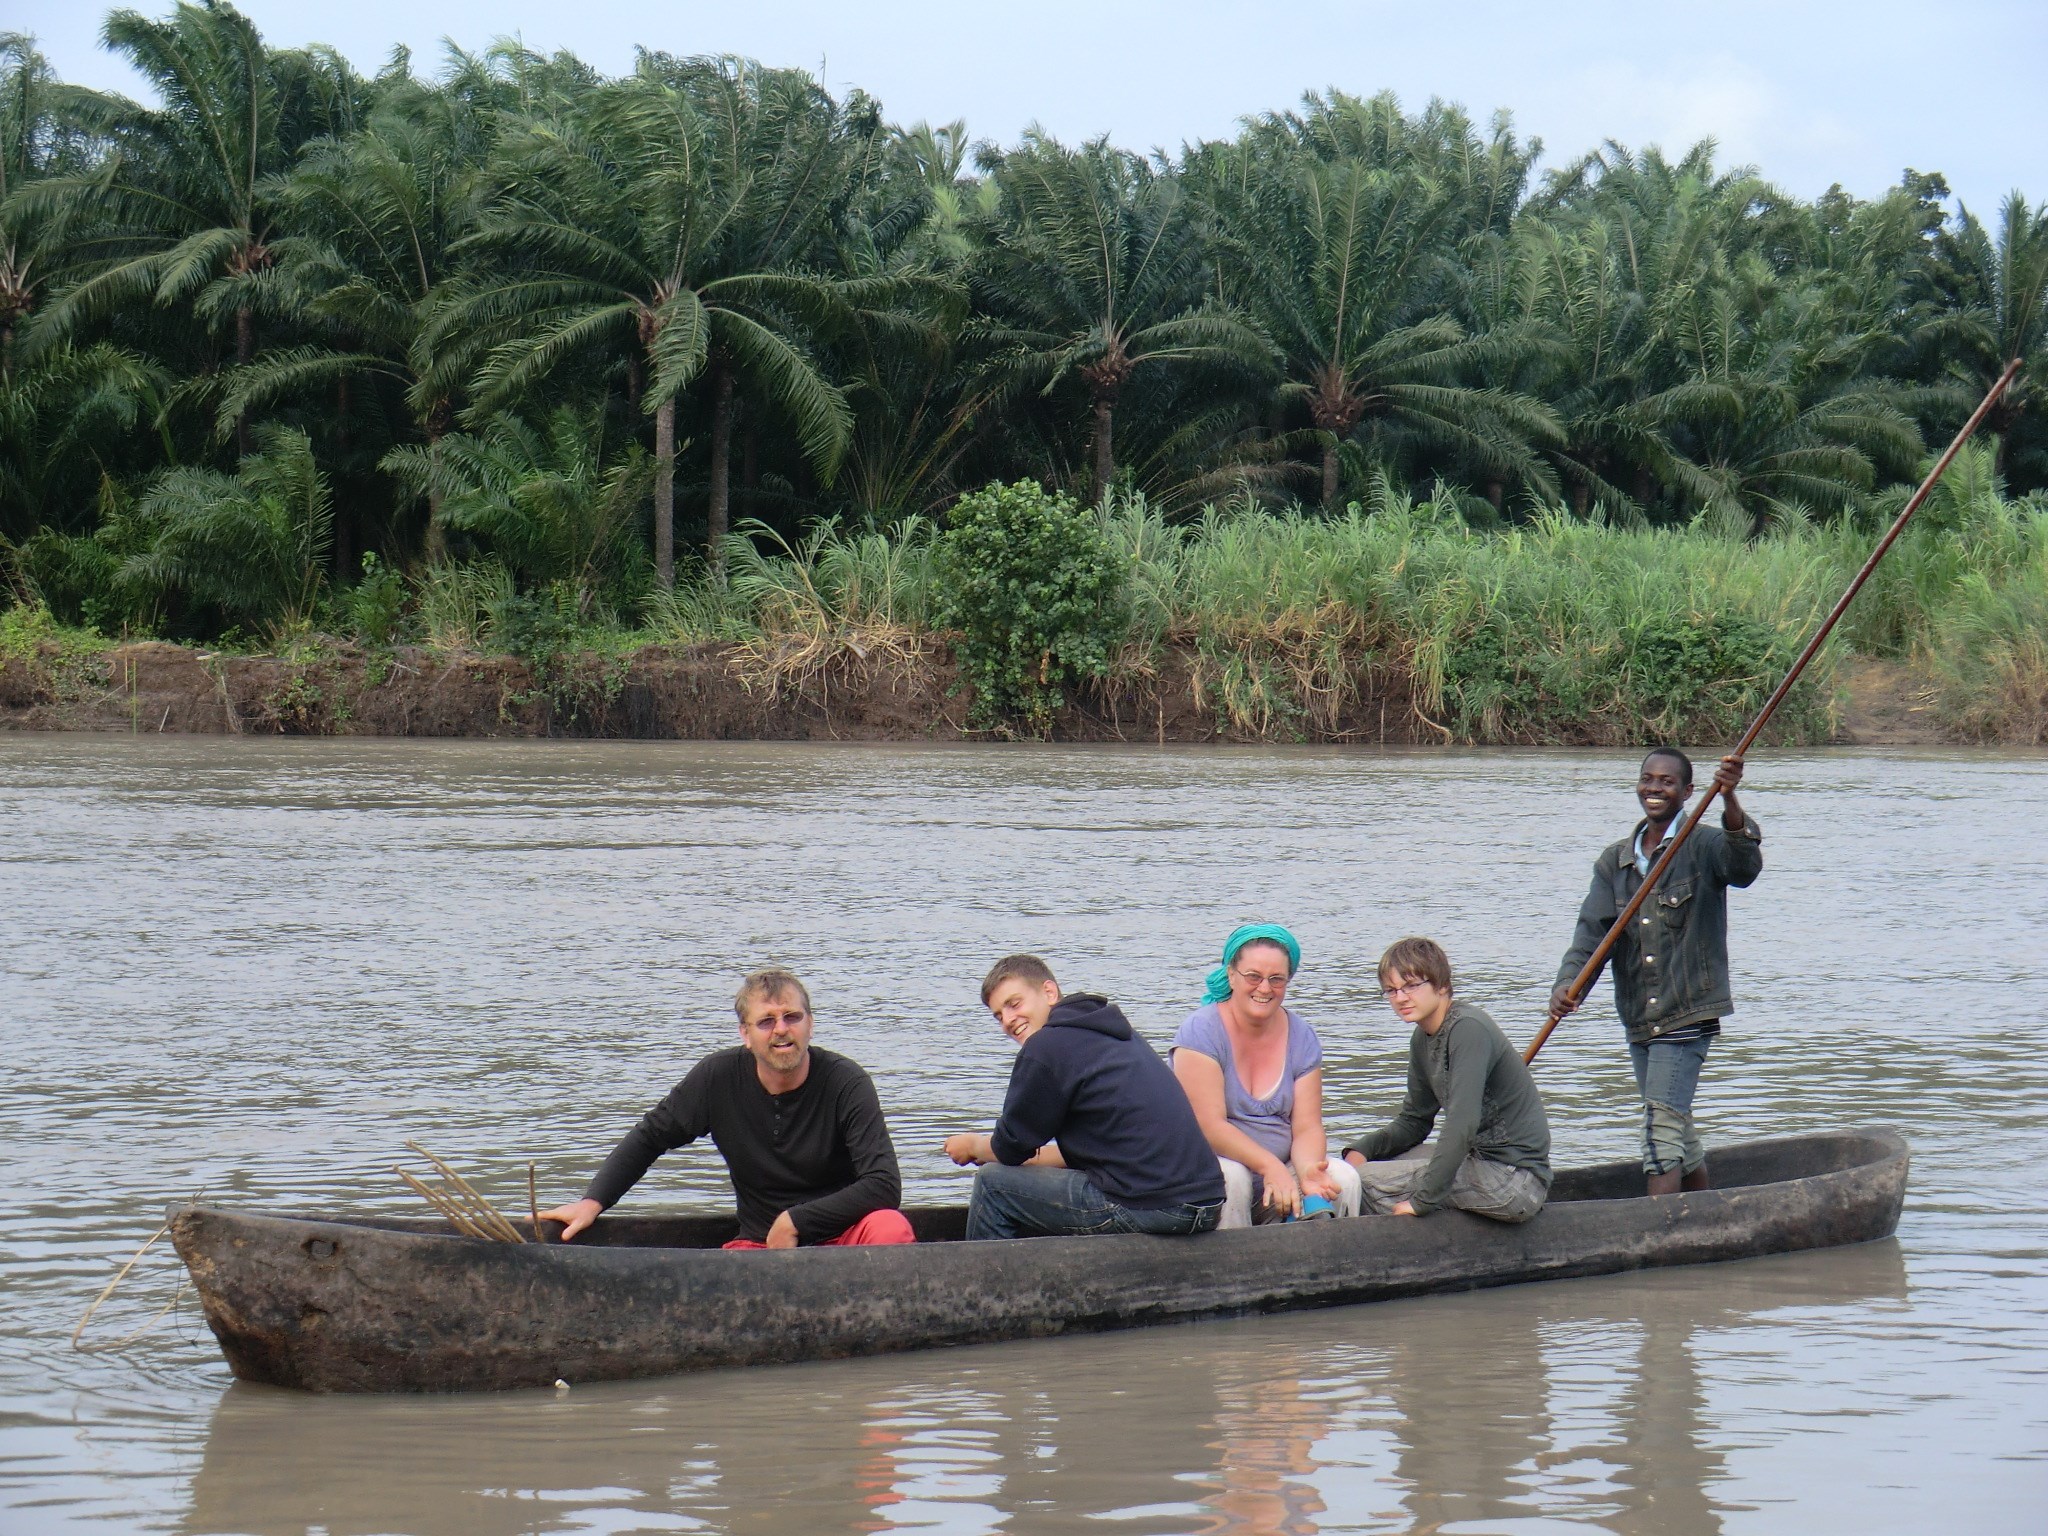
[
  {"x": 1028, "y": 969},
  {"x": 773, "y": 981}
]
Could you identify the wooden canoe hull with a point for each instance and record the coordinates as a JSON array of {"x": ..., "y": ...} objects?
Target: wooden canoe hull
[{"x": 379, "y": 1306}]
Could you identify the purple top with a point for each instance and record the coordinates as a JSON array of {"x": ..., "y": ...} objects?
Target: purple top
[{"x": 1268, "y": 1121}]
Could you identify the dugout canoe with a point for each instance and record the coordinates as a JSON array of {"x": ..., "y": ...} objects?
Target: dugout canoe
[{"x": 386, "y": 1305}]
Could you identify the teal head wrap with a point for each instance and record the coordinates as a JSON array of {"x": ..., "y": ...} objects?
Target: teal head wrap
[{"x": 1271, "y": 933}]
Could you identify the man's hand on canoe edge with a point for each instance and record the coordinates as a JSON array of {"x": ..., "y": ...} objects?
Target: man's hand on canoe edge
[{"x": 576, "y": 1217}]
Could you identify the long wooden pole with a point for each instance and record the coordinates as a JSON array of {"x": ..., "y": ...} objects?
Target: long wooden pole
[{"x": 1591, "y": 969}]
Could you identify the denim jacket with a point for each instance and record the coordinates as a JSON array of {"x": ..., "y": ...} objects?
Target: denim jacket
[{"x": 1671, "y": 965}]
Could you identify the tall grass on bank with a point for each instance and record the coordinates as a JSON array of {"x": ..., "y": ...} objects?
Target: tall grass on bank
[
  {"x": 1288, "y": 625},
  {"x": 1964, "y": 596},
  {"x": 1560, "y": 631}
]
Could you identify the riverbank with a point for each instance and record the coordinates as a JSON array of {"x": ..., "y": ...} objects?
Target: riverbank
[
  {"x": 719, "y": 692},
  {"x": 1395, "y": 623}
]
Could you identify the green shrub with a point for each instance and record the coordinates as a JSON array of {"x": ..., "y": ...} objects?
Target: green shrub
[
  {"x": 252, "y": 545},
  {"x": 376, "y": 604},
  {"x": 1691, "y": 674},
  {"x": 1038, "y": 596}
]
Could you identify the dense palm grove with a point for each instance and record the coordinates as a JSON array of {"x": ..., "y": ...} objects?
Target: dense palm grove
[{"x": 294, "y": 329}]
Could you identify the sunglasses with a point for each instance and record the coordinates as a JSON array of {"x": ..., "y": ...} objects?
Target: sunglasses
[{"x": 1254, "y": 980}]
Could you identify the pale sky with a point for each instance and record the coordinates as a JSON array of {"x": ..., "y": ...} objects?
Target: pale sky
[{"x": 1809, "y": 91}]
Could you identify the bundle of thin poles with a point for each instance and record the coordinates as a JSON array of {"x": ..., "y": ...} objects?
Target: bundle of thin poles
[{"x": 458, "y": 1201}]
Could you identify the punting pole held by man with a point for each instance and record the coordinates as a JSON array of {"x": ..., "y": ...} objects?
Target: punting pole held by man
[{"x": 1591, "y": 968}]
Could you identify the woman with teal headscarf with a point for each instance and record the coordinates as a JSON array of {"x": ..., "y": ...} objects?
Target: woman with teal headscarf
[{"x": 1253, "y": 1070}]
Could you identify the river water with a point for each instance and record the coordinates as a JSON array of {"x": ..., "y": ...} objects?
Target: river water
[{"x": 249, "y": 970}]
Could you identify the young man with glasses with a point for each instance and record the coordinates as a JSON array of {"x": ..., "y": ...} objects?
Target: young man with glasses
[
  {"x": 1095, "y": 1136},
  {"x": 1492, "y": 1153},
  {"x": 1670, "y": 966},
  {"x": 800, "y": 1129}
]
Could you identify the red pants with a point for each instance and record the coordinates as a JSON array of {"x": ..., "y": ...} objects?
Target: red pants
[{"x": 872, "y": 1230}]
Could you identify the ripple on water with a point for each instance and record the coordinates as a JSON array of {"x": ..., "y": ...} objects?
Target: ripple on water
[{"x": 253, "y": 969}]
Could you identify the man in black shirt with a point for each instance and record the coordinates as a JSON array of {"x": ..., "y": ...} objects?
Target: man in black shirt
[
  {"x": 1096, "y": 1135},
  {"x": 800, "y": 1129}
]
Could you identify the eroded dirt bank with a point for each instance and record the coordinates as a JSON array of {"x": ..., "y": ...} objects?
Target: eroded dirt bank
[
  {"x": 709, "y": 692},
  {"x": 714, "y": 692}
]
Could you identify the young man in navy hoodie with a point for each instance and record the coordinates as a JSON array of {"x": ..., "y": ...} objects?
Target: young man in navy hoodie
[{"x": 1096, "y": 1135}]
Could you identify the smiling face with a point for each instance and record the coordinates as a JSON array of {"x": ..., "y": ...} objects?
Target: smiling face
[
  {"x": 1663, "y": 788},
  {"x": 1259, "y": 974},
  {"x": 776, "y": 1029},
  {"x": 1021, "y": 1007}
]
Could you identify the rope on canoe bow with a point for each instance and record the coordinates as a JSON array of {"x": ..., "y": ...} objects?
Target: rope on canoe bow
[{"x": 78, "y": 1333}]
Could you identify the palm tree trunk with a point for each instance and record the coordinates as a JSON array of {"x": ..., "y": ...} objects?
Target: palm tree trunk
[
  {"x": 437, "y": 536},
  {"x": 1105, "y": 456},
  {"x": 665, "y": 493},
  {"x": 721, "y": 463},
  {"x": 1330, "y": 475},
  {"x": 343, "y": 546},
  {"x": 245, "y": 345},
  {"x": 750, "y": 467}
]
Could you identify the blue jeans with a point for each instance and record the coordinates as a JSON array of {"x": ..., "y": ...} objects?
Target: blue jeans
[
  {"x": 1060, "y": 1202},
  {"x": 1667, "y": 1075}
]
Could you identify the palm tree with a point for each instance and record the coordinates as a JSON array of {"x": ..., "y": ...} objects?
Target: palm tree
[
  {"x": 37, "y": 141},
  {"x": 372, "y": 218},
  {"x": 177, "y": 210},
  {"x": 670, "y": 227},
  {"x": 548, "y": 500},
  {"x": 1094, "y": 269},
  {"x": 1589, "y": 352},
  {"x": 1997, "y": 309},
  {"x": 1757, "y": 414},
  {"x": 252, "y": 544},
  {"x": 1349, "y": 268},
  {"x": 73, "y": 428}
]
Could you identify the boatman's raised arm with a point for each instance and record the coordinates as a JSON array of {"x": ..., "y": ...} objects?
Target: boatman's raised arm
[{"x": 800, "y": 1128}]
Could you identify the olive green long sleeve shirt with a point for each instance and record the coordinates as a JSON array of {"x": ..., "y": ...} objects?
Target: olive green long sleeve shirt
[{"x": 1470, "y": 1075}]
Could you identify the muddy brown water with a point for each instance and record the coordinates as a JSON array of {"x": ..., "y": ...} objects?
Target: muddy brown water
[{"x": 252, "y": 969}]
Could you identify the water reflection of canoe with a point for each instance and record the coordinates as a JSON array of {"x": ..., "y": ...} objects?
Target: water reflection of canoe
[{"x": 375, "y": 1305}]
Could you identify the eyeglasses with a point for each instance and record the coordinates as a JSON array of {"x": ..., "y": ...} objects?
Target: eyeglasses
[
  {"x": 770, "y": 1020},
  {"x": 1254, "y": 980},
  {"x": 1402, "y": 989}
]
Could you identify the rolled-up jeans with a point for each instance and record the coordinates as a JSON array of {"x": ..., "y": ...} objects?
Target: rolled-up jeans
[
  {"x": 1060, "y": 1202},
  {"x": 1481, "y": 1186},
  {"x": 1667, "y": 1075}
]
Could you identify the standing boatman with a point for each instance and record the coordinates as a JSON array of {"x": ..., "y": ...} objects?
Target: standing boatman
[{"x": 1671, "y": 966}]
